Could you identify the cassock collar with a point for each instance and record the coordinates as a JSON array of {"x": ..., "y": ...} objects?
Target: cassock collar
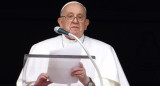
[{"x": 67, "y": 42}]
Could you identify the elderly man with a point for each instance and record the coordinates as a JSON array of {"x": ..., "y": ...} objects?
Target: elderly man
[{"x": 73, "y": 19}]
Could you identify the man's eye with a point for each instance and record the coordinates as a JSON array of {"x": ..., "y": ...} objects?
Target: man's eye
[
  {"x": 79, "y": 17},
  {"x": 70, "y": 16}
]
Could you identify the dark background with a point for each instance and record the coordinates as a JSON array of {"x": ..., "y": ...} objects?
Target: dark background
[{"x": 130, "y": 26}]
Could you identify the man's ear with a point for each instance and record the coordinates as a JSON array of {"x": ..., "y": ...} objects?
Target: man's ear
[
  {"x": 86, "y": 24},
  {"x": 60, "y": 22}
]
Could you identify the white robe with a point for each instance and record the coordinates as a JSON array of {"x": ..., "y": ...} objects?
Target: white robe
[{"x": 106, "y": 60}]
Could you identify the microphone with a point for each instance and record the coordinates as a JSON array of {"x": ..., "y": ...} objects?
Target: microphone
[{"x": 59, "y": 30}]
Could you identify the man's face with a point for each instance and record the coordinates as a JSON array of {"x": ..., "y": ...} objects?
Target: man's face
[{"x": 74, "y": 25}]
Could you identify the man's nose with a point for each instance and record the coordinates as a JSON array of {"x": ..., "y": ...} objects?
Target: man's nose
[{"x": 75, "y": 20}]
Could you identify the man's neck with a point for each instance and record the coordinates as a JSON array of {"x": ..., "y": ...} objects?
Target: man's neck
[{"x": 70, "y": 38}]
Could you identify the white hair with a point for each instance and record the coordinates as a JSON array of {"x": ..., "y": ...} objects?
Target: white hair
[{"x": 71, "y": 3}]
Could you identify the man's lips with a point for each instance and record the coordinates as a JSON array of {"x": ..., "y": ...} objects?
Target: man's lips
[{"x": 74, "y": 27}]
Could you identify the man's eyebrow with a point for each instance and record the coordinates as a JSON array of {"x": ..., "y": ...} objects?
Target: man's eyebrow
[{"x": 69, "y": 13}]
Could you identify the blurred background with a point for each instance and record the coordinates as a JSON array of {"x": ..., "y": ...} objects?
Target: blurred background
[{"x": 130, "y": 26}]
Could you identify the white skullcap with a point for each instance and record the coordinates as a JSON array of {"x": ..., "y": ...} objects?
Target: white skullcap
[{"x": 71, "y": 3}]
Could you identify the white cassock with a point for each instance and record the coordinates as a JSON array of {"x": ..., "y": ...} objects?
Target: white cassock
[{"x": 106, "y": 60}]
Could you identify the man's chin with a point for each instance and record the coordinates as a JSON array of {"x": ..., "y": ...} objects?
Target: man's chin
[{"x": 75, "y": 33}]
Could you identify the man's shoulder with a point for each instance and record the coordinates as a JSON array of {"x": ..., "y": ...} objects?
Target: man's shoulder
[
  {"x": 50, "y": 40},
  {"x": 97, "y": 42}
]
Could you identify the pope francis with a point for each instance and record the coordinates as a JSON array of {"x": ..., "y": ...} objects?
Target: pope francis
[{"x": 73, "y": 19}]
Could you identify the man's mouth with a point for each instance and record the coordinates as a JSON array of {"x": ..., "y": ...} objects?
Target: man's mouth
[{"x": 75, "y": 27}]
